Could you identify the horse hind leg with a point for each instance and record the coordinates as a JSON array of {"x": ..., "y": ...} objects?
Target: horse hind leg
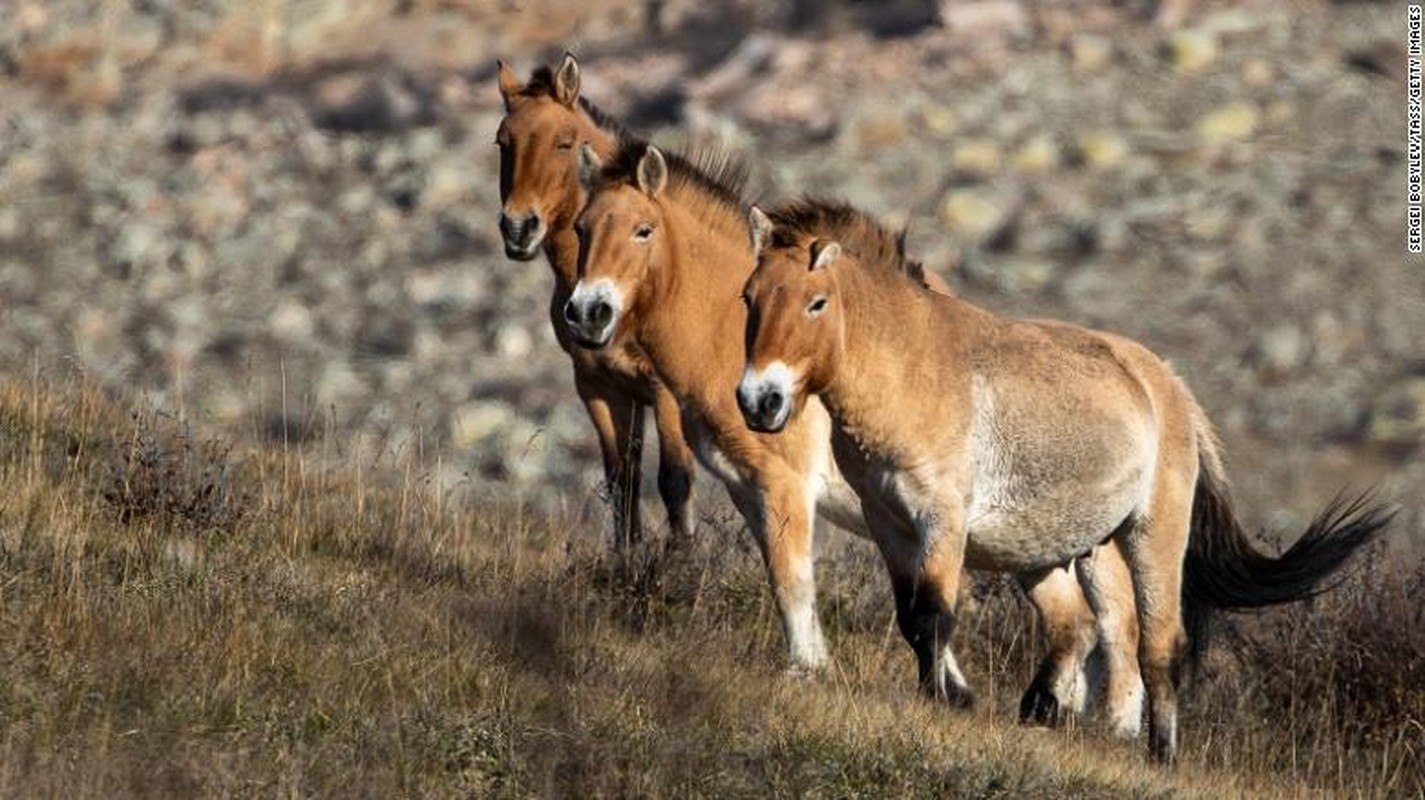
[
  {"x": 1060, "y": 687},
  {"x": 1108, "y": 586},
  {"x": 1156, "y": 548}
]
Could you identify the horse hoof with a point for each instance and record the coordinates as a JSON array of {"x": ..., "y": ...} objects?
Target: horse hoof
[
  {"x": 1039, "y": 707},
  {"x": 953, "y": 697},
  {"x": 679, "y": 542}
]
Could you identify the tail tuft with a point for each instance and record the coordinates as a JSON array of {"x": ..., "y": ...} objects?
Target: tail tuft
[{"x": 1224, "y": 571}]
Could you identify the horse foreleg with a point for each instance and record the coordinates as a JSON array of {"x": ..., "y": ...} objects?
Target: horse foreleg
[
  {"x": 783, "y": 526},
  {"x": 926, "y": 567},
  {"x": 618, "y": 419},
  {"x": 1109, "y": 587},
  {"x": 1059, "y": 688},
  {"x": 675, "y": 464}
]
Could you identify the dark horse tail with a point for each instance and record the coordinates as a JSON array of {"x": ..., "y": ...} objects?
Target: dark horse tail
[{"x": 1223, "y": 570}]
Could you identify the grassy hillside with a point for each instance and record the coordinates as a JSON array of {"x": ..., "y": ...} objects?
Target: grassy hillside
[{"x": 184, "y": 617}]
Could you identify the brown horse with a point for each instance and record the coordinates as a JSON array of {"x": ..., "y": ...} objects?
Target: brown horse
[
  {"x": 545, "y": 123},
  {"x": 665, "y": 250},
  {"x": 981, "y": 441}
]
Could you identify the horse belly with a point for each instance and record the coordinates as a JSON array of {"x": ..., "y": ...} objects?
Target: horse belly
[
  {"x": 1042, "y": 535},
  {"x": 1027, "y": 515},
  {"x": 1052, "y": 479}
]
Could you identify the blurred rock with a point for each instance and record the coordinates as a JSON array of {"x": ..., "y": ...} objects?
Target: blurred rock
[
  {"x": 1387, "y": 59},
  {"x": 450, "y": 180},
  {"x": 9, "y": 224},
  {"x": 477, "y": 421},
  {"x": 977, "y": 19},
  {"x": 1333, "y": 340},
  {"x": 1102, "y": 150},
  {"x": 1010, "y": 275},
  {"x": 1281, "y": 349},
  {"x": 1038, "y": 155},
  {"x": 1172, "y": 13},
  {"x": 99, "y": 344},
  {"x": 978, "y": 158},
  {"x": 1208, "y": 222},
  {"x": 513, "y": 341},
  {"x": 1279, "y": 112},
  {"x": 1258, "y": 73},
  {"x": 357, "y": 103},
  {"x": 1233, "y": 122},
  {"x": 30, "y": 16},
  {"x": 879, "y": 131},
  {"x": 291, "y": 322},
  {"x": 386, "y": 334},
  {"x": 339, "y": 383},
  {"x": 976, "y": 214},
  {"x": 1090, "y": 53},
  {"x": 139, "y": 245},
  {"x": 1191, "y": 51},
  {"x": 753, "y": 56},
  {"x": 1397, "y": 415},
  {"x": 939, "y": 120}
]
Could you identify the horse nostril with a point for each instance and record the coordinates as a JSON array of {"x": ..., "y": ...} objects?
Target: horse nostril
[
  {"x": 571, "y": 312},
  {"x": 518, "y": 230},
  {"x": 769, "y": 405},
  {"x": 601, "y": 314}
]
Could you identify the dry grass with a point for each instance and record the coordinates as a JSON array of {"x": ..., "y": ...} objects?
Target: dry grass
[{"x": 354, "y": 634}]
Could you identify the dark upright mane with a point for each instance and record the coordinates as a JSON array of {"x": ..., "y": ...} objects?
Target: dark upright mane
[
  {"x": 856, "y": 231},
  {"x": 710, "y": 171},
  {"x": 541, "y": 84}
]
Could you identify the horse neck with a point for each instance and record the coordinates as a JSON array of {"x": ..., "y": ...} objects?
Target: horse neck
[
  {"x": 695, "y": 319},
  {"x": 561, "y": 244},
  {"x": 561, "y": 249},
  {"x": 897, "y": 339}
]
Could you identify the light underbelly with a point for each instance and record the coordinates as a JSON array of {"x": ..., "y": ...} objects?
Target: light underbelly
[
  {"x": 1043, "y": 491},
  {"x": 1010, "y": 524},
  {"x": 1046, "y": 532}
]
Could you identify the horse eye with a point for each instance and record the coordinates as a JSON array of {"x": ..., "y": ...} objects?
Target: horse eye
[
  {"x": 817, "y": 306},
  {"x": 643, "y": 233},
  {"x": 564, "y": 144}
]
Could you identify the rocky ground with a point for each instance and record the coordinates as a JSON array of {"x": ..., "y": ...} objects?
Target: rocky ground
[{"x": 279, "y": 217}]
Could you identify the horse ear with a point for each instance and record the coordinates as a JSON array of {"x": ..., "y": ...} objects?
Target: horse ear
[
  {"x": 823, "y": 253},
  {"x": 589, "y": 166},
  {"x": 510, "y": 85},
  {"x": 566, "y": 81},
  {"x": 761, "y": 226},
  {"x": 652, "y": 172}
]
